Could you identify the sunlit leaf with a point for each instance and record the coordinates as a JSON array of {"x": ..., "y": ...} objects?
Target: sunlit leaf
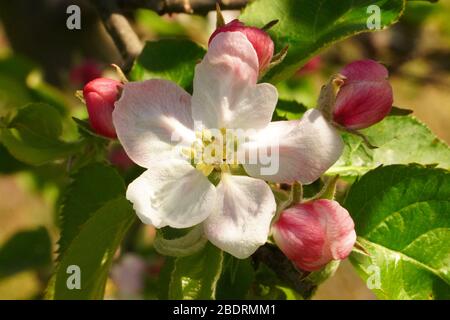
[
  {"x": 402, "y": 219},
  {"x": 92, "y": 251},
  {"x": 33, "y": 135},
  {"x": 91, "y": 187},
  {"x": 400, "y": 140},
  {"x": 196, "y": 276},
  {"x": 169, "y": 59},
  {"x": 308, "y": 26}
]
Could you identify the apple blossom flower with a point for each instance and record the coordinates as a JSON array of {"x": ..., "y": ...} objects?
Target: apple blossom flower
[
  {"x": 154, "y": 118},
  {"x": 312, "y": 234},
  {"x": 100, "y": 95},
  {"x": 365, "y": 97},
  {"x": 260, "y": 40}
]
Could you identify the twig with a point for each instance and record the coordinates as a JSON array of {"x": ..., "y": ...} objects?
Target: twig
[
  {"x": 120, "y": 31},
  {"x": 123, "y": 34},
  {"x": 283, "y": 267},
  {"x": 183, "y": 6}
]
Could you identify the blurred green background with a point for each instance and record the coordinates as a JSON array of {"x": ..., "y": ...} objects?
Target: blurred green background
[{"x": 41, "y": 60}]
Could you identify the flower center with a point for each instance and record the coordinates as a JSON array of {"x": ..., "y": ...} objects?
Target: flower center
[{"x": 214, "y": 150}]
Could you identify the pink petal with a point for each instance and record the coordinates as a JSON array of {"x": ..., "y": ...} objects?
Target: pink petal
[
  {"x": 225, "y": 91},
  {"x": 100, "y": 95},
  {"x": 172, "y": 193},
  {"x": 314, "y": 233},
  {"x": 242, "y": 222},
  {"x": 362, "y": 104},
  {"x": 366, "y": 96},
  {"x": 298, "y": 150},
  {"x": 365, "y": 70},
  {"x": 151, "y": 118},
  {"x": 260, "y": 40}
]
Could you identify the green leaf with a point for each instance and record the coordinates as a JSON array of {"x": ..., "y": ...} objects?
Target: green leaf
[
  {"x": 402, "y": 218},
  {"x": 236, "y": 280},
  {"x": 400, "y": 140},
  {"x": 276, "y": 276},
  {"x": 288, "y": 110},
  {"x": 13, "y": 90},
  {"x": 25, "y": 250},
  {"x": 308, "y": 26},
  {"x": 13, "y": 94},
  {"x": 92, "y": 250},
  {"x": 163, "y": 282},
  {"x": 196, "y": 276},
  {"x": 318, "y": 277},
  {"x": 160, "y": 25},
  {"x": 182, "y": 246},
  {"x": 168, "y": 59},
  {"x": 46, "y": 93},
  {"x": 33, "y": 135},
  {"x": 16, "y": 67},
  {"x": 9, "y": 164},
  {"x": 268, "y": 286},
  {"x": 91, "y": 188}
]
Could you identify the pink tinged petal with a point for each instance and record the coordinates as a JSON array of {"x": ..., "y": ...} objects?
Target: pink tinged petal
[
  {"x": 100, "y": 95},
  {"x": 365, "y": 70},
  {"x": 225, "y": 91},
  {"x": 297, "y": 150},
  {"x": 172, "y": 193},
  {"x": 242, "y": 222},
  {"x": 314, "y": 233},
  {"x": 151, "y": 118},
  {"x": 366, "y": 96},
  {"x": 260, "y": 40}
]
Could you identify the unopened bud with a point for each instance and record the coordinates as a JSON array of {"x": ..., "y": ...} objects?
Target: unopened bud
[
  {"x": 87, "y": 71},
  {"x": 314, "y": 233},
  {"x": 365, "y": 97},
  {"x": 260, "y": 40},
  {"x": 100, "y": 95}
]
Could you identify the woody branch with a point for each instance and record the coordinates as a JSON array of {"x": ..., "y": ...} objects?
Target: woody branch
[{"x": 122, "y": 33}]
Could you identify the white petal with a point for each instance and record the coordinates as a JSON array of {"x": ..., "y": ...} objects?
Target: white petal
[
  {"x": 150, "y": 118},
  {"x": 225, "y": 91},
  {"x": 246, "y": 209},
  {"x": 298, "y": 150},
  {"x": 172, "y": 193}
]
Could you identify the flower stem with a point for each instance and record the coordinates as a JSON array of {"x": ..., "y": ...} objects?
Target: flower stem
[{"x": 297, "y": 192}]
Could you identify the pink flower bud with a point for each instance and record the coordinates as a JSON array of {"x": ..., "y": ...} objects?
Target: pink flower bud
[
  {"x": 311, "y": 66},
  {"x": 87, "y": 71},
  {"x": 312, "y": 234},
  {"x": 119, "y": 158},
  {"x": 259, "y": 39},
  {"x": 365, "y": 98},
  {"x": 100, "y": 95}
]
